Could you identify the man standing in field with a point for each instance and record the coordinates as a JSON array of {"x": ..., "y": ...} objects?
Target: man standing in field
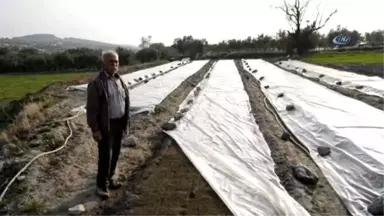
[{"x": 108, "y": 117}]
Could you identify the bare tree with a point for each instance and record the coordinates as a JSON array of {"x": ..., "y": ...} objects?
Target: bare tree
[{"x": 295, "y": 15}]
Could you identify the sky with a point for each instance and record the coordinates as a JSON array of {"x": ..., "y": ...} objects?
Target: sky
[{"x": 126, "y": 21}]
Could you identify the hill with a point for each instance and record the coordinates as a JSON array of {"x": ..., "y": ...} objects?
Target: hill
[{"x": 52, "y": 43}]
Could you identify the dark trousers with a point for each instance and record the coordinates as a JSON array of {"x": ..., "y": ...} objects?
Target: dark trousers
[{"x": 109, "y": 151}]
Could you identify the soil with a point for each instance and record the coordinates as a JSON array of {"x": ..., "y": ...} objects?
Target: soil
[
  {"x": 168, "y": 183},
  {"x": 317, "y": 200},
  {"x": 158, "y": 179},
  {"x": 172, "y": 186},
  {"x": 62, "y": 180}
]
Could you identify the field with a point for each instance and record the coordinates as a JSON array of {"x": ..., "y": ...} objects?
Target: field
[
  {"x": 347, "y": 58},
  {"x": 15, "y": 87},
  {"x": 365, "y": 63},
  {"x": 236, "y": 148}
]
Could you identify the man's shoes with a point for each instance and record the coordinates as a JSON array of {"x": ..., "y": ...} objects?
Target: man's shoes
[
  {"x": 102, "y": 192},
  {"x": 114, "y": 185}
]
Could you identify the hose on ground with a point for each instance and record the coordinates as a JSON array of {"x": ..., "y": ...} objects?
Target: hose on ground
[
  {"x": 298, "y": 144},
  {"x": 44, "y": 153},
  {"x": 280, "y": 123}
]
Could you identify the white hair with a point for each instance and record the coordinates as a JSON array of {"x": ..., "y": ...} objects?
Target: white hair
[{"x": 108, "y": 52}]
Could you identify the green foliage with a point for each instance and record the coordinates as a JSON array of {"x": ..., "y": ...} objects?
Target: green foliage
[
  {"x": 84, "y": 59},
  {"x": 239, "y": 55},
  {"x": 375, "y": 37},
  {"x": 189, "y": 47},
  {"x": 80, "y": 59},
  {"x": 32, "y": 60},
  {"x": 16, "y": 86},
  {"x": 34, "y": 207},
  {"x": 354, "y": 34},
  {"x": 126, "y": 56},
  {"x": 147, "y": 55},
  {"x": 284, "y": 41},
  {"x": 165, "y": 52},
  {"x": 347, "y": 58},
  {"x": 261, "y": 43}
]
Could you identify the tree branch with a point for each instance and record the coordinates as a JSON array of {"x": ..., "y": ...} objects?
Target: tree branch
[
  {"x": 287, "y": 9},
  {"x": 320, "y": 24},
  {"x": 295, "y": 14}
]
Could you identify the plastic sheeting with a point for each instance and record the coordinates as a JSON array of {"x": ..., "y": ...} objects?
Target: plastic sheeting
[
  {"x": 371, "y": 85},
  {"x": 145, "y": 97},
  {"x": 131, "y": 76},
  {"x": 220, "y": 137},
  {"x": 352, "y": 129}
]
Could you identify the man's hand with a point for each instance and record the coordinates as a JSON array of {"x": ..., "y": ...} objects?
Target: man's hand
[{"x": 97, "y": 136}]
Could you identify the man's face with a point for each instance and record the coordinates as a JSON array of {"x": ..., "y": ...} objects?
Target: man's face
[{"x": 111, "y": 63}]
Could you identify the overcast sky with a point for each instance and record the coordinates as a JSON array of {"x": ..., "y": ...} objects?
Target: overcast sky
[{"x": 125, "y": 21}]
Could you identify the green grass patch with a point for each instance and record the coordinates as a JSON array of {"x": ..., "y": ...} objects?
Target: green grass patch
[
  {"x": 14, "y": 87},
  {"x": 347, "y": 58},
  {"x": 33, "y": 207}
]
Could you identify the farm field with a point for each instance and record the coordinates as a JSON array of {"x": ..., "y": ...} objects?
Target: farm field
[
  {"x": 246, "y": 142},
  {"x": 343, "y": 58},
  {"x": 15, "y": 87},
  {"x": 364, "y": 63}
]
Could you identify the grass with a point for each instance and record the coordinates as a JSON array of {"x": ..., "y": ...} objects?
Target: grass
[
  {"x": 14, "y": 87},
  {"x": 34, "y": 207},
  {"x": 347, "y": 58}
]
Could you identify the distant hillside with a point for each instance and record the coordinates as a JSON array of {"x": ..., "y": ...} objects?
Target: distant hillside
[
  {"x": 38, "y": 38},
  {"x": 51, "y": 43}
]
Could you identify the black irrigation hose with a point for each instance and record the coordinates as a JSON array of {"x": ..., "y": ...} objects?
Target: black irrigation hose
[
  {"x": 294, "y": 140},
  {"x": 280, "y": 122}
]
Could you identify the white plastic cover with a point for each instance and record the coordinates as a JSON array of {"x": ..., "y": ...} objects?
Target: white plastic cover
[
  {"x": 372, "y": 85},
  {"x": 220, "y": 137},
  {"x": 129, "y": 77},
  {"x": 352, "y": 129},
  {"x": 147, "y": 96}
]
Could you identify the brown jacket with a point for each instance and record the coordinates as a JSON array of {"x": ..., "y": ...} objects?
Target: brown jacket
[{"x": 97, "y": 104}]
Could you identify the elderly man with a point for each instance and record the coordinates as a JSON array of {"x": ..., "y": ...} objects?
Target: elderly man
[{"x": 108, "y": 118}]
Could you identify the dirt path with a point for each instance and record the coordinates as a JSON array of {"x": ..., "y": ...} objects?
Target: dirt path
[
  {"x": 178, "y": 189},
  {"x": 172, "y": 186},
  {"x": 56, "y": 182},
  {"x": 375, "y": 101},
  {"x": 167, "y": 184},
  {"x": 317, "y": 200}
]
